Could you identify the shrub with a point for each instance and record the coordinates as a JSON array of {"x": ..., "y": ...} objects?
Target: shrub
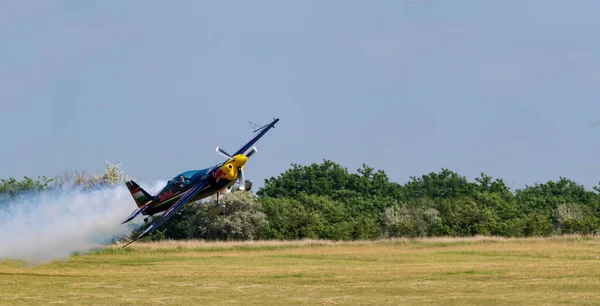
[
  {"x": 402, "y": 221},
  {"x": 241, "y": 219}
]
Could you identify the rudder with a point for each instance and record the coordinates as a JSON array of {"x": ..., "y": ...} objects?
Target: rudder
[{"x": 138, "y": 193}]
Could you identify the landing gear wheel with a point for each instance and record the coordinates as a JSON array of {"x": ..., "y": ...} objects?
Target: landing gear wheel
[
  {"x": 145, "y": 220},
  {"x": 218, "y": 209}
]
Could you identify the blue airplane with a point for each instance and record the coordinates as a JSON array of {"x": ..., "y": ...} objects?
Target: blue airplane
[{"x": 194, "y": 185}]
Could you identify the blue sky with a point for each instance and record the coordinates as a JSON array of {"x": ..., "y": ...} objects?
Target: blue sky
[{"x": 509, "y": 88}]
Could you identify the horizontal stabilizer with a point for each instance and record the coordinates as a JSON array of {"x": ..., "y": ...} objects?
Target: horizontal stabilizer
[
  {"x": 188, "y": 195},
  {"x": 135, "y": 213},
  {"x": 255, "y": 127}
]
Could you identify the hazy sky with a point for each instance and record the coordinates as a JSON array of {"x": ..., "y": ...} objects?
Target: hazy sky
[{"x": 509, "y": 88}]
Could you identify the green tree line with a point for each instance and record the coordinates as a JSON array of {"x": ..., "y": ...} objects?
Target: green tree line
[{"x": 326, "y": 201}]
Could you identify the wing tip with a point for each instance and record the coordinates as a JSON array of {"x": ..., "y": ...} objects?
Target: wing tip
[
  {"x": 128, "y": 243},
  {"x": 134, "y": 240}
]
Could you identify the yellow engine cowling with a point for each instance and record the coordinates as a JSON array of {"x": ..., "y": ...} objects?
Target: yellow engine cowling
[{"x": 230, "y": 168}]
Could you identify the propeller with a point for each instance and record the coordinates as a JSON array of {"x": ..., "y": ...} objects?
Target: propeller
[
  {"x": 222, "y": 152},
  {"x": 252, "y": 151},
  {"x": 241, "y": 184}
]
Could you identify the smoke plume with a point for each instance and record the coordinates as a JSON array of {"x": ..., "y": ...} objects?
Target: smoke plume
[{"x": 52, "y": 225}]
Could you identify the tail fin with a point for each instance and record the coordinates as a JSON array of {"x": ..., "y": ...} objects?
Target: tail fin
[{"x": 138, "y": 193}]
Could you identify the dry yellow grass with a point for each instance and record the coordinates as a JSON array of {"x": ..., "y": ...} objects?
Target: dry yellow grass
[{"x": 436, "y": 271}]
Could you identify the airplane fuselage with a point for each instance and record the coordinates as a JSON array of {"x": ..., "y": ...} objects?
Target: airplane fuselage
[{"x": 216, "y": 178}]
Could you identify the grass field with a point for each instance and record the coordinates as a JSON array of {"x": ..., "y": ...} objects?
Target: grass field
[{"x": 479, "y": 270}]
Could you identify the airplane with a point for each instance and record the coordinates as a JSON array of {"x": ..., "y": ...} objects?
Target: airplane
[{"x": 194, "y": 185}]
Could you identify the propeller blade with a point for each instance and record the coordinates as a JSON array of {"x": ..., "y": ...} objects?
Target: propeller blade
[
  {"x": 222, "y": 152},
  {"x": 250, "y": 151},
  {"x": 241, "y": 180}
]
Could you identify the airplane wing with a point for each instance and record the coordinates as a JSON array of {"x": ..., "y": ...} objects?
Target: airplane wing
[{"x": 184, "y": 199}]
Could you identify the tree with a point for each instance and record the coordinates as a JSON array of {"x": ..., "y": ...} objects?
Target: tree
[
  {"x": 326, "y": 178},
  {"x": 326, "y": 201},
  {"x": 11, "y": 189},
  {"x": 442, "y": 185}
]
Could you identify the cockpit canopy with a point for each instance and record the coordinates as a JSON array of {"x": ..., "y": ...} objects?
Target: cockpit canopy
[
  {"x": 188, "y": 175},
  {"x": 177, "y": 183},
  {"x": 185, "y": 178}
]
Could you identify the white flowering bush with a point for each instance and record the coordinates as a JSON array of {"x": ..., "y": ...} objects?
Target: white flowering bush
[
  {"x": 241, "y": 219},
  {"x": 402, "y": 221}
]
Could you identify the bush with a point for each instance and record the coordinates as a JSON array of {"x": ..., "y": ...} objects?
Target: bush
[
  {"x": 112, "y": 175},
  {"x": 538, "y": 223},
  {"x": 575, "y": 218},
  {"x": 402, "y": 221},
  {"x": 290, "y": 219},
  {"x": 11, "y": 189},
  {"x": 465, "y": 217},
  {"x": 241, "y": 219}
]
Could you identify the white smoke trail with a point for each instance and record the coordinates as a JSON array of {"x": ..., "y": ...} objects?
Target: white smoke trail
[{"x": 52, "y": 226}]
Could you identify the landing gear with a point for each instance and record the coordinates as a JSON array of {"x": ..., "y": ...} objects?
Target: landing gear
[
  {"x": 146, "y": 220},
  {"x": 219, "y": 207}
]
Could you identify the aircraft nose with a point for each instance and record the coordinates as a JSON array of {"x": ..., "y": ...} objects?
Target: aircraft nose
[{"x": 240, "y": 160}]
